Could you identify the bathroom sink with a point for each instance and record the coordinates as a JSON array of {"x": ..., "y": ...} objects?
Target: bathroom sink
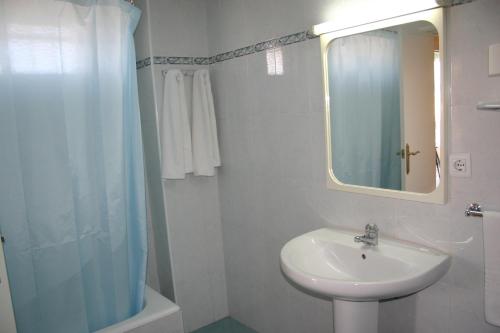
[{"x": 329, "y": 262}]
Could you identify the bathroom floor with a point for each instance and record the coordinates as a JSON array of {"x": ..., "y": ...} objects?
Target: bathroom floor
[{"x": 226, "y": 325}]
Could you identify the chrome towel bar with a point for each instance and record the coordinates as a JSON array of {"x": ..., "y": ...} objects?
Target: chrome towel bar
[
  {"x": 474, "y": 209},
  {"x": 488, "y": 106}
]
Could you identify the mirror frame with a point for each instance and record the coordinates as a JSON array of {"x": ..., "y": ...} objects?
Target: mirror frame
[{"x": 435, "y": 17}]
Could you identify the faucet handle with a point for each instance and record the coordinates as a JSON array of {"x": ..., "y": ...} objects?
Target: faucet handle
[{"x": 371, "y": 227}]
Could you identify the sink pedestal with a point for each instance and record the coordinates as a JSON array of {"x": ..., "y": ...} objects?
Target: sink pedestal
[{"x": 355, "y": 317}]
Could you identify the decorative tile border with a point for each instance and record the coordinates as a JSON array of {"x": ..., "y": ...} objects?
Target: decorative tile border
[
  {"x": 157, "y": 60},
  {"x": 180, "y": 60},
  {"x": 448, "y": 3},
  {"x": 201, "y": 61},
  {"x": 224, "y": 56},
  {"x": 143, "y": 63},
  {"x": 262, "y": 46},
  {"x": 243, "y": 51}
]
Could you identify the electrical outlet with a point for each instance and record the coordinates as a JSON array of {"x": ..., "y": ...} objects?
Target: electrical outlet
[{"x": 460, "y": 165}]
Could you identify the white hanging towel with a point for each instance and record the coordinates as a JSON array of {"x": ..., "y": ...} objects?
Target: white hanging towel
[
  {"x": 491, "y": 230},
  {"x": 205, "y": 144},
  {"x": 175, "y": 132}
]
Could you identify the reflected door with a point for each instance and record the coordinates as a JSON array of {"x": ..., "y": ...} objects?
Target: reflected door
[{"x": 417, "y": 109}]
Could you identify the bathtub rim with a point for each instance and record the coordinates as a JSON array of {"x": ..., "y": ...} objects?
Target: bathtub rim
[{"x": 156, "y": 306}]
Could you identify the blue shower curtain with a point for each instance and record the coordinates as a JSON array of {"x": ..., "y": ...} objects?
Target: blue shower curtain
[
  {"x": 72, "y": 199},
  {"x": 365, "y": 103}
]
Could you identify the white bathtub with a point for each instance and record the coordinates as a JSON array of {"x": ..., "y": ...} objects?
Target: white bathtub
[{"x": 158, "y": 316}]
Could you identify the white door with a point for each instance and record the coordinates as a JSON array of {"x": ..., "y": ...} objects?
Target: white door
[
  {"x": 417, "y": 101},
  {"x": 7, "y": 322}
]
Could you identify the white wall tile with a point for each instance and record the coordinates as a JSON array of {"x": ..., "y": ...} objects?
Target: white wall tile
[
  {"x": 193, "y": 217},
  {"x": 159, "y": 268},
  {"x": 179, "y": 28},
  {"x": 192, "y": 208},
  {"x": 272, "y": 184}
]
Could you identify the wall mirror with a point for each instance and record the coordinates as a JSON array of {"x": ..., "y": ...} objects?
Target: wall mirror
[{"x": 385, "y": 107}]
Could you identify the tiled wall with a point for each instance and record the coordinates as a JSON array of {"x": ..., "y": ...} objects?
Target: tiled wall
[
  {"x": 272, "y": 183},
  {"x": 159, "y": 267},
  {"x": 176, "y": 37}
]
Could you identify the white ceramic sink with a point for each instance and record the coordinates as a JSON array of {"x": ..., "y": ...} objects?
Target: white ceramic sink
[
  {"x": 329, "y": 262},
  {"x": 357, "y": 276}
]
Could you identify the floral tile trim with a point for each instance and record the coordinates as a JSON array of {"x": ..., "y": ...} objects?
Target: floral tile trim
[
  {"x": 160, "y": 60},
  {"x": 224, "y": 56},
  {"x": 262, "y": 46},
  {"x": 173, "y": 60},
  {"x": 201, "y": 61},
  {"x": 447, "y": 3},
  {"x": 143, "y": 63},
  {"x": 293, "y": 38},
  {"x": 241, "y": 52},
  {"x": 244, "y": 51},
  {"x": 311, "y": 35}
]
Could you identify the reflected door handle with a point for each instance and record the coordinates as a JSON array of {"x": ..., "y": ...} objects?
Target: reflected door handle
[{"x": 407, "y": 154}]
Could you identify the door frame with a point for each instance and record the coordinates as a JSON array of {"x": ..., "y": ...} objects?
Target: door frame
[{"x": 7, "y": 319}]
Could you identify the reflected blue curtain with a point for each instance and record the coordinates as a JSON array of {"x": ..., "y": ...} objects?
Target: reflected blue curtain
[
  {"x": 72, "y": 199},
  {"x": 365, "y": 102}
]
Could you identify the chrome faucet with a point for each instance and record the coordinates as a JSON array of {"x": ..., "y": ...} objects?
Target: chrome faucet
[{"x": 370, "y": 237}]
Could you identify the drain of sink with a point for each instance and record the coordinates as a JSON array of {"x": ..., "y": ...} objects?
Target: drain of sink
[{"x": 363, "y": 256}]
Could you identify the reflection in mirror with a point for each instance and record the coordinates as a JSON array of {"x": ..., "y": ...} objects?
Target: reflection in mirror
[{"x": 384, "y": 90}]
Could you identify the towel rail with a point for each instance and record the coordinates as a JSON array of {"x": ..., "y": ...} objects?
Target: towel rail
[
  {"x": 474, "y": 209},
  {"x": 186, "y": 72},
  {"x": 488, "y": 106}
]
